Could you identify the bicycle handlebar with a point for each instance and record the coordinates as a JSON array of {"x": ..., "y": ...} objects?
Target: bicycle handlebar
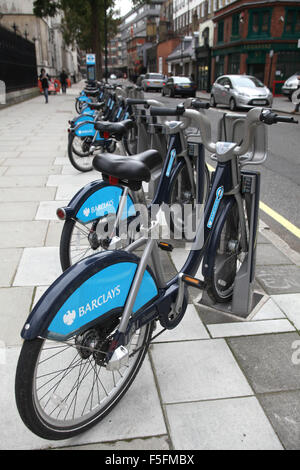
[
  {"x": 269, "y": 117},
  {"x": 178, "y": 111}
]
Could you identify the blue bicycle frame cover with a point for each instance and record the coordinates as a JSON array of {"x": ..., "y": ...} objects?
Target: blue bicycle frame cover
[{"x": 105, "y": 201}]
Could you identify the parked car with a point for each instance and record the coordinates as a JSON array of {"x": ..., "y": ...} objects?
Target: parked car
[
  {"x": 113, "y": 76},
  {"x": 182, "y": 86},
  {"x": 290, "y": 85},
  {"x": 240, "y": 91},
  {"x": 153, "y": 81}
]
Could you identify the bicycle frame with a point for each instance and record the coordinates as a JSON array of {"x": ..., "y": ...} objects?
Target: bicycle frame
[{"x": 172, "y": 294}]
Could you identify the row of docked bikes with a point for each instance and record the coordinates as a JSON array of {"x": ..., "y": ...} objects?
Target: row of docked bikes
[{"x": 86, "y": 338}]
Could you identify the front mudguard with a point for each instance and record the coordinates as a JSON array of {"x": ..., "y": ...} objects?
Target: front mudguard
[
  {"x": 87, "y": 294},
  {"x": 97, "y": 199}
]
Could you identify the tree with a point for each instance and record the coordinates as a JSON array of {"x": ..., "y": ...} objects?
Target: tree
[{"x": 83, "y": 21}]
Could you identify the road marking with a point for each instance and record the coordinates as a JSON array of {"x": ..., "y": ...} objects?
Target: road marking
[
  {"x": 274, "y": 215},
  {"x": 280, "y": 219}
]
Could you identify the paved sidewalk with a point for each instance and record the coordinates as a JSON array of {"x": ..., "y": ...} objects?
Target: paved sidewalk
[
  {"x": 215, "y": 382},
  {"x": 281, "y": 104}
]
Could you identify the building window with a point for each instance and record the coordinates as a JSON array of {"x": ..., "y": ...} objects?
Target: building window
[
  {"x": 259, "y": 23},
  {"x": 235, "y": 29},
  {"x": 221, "y": 31},
  {"x": 292, "y": 22}
]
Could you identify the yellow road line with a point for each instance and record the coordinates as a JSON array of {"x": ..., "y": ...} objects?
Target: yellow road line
[
  {"x": 280, "y": 219},
  {"x": 270, "y": 212}
]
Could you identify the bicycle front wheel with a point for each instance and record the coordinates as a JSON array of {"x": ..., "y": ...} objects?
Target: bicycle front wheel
[
  {"x": 79, "y": 153},
  {"x": 183, "y": 196},
  {"x": 228, "y": 258},
  {"x": 62, "y": 389}
]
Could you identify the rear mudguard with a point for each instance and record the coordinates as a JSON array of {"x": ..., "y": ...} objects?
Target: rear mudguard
[
  {"x": 86, "y": 129},
  {"x": 207, "y": 265},
  {"x": 97, "y": 199},
  {"x": 84, "y": 99},
  {"x": 88, "y": 293},
  {"x": 89, "y": 117}
]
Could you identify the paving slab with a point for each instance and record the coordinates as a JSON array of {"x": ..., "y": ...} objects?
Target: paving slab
[
  {"x": 131, "y": 418},
  {"x": 26, "y": 194},
  {"x": 267, "y": 361},
  {"x": 234, "y": 424},
  {"x": 77, "y": 180},
  {"x": 54, "y": 233},
  {"x": 290, "y": 304},
  {"x": 268, "y": 254},
  {"x": 10, "y": 258},
  {"x": 250, "y": 328},
  {"x": 47, "y": 210},
  {"x": 279, "y": 279},
  {"x": 23, "y": 233},
  {"x": 190, "y": 328},
  {"x": 40, "y": 171},
  {"x": 148, "y": 443},
  {"x": 38, "y": 267},
  {"x": 18, "y": 211},
  {"x": 269, "y": 311},
  {"x": 283, "y": 411},
  {"x": 9, "y": 181},
  {"x": 206, "y": 368},
  {"x": 15, "y": 307}
]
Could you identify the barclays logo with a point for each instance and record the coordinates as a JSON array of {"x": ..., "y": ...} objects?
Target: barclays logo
[{"x": 69, "y": 317}]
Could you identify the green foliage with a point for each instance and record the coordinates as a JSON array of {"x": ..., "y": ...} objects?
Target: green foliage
[{"x": 78, "y": 23}]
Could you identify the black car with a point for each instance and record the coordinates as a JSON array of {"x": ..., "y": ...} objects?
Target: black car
[{"x": 182, "y": 86}]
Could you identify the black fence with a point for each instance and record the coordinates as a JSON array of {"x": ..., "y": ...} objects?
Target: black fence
[{"x": 18, "y": 67}]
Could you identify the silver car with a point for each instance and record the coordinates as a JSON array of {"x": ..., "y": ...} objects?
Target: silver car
[
  {"x": 240, "y": 91},
  {"x": 290, "y": 85},
  {"x": 153, "y": 81}
]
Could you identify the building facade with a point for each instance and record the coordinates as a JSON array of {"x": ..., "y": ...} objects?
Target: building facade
[
  {"x": 51, "y": 51},
  {"x": 139, "y": 32},
  {"x": 258, "y": 38}
]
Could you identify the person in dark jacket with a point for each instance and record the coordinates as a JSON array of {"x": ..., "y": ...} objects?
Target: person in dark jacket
[
  {"x": 44, "y": 78},
  {"x": 63, "y": 80}
]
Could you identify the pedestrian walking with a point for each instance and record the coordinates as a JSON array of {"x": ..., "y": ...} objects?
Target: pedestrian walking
[
  {"x": 296, "y": 97},
  {"x": 44, "y": 78},
  {"x": 63, "y": 80}
]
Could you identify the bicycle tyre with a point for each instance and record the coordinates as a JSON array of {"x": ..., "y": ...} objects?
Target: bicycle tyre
[
  {"x": 26, "y": 388},
  {"x": 182, "y": 171},
  {"x": 77, "y": 160},
  {"x": 227, "y": 259}
]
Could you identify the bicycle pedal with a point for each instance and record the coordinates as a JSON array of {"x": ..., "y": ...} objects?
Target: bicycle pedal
[
  {"x": 193, "y": 281},
  {"x": 165, "y": 246}
]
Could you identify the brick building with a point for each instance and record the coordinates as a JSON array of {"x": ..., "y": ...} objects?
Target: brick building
[{"x": 258, "y": 38}]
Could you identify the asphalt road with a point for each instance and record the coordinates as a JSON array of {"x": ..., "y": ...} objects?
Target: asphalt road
[{"x": 280, "y": 183}]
